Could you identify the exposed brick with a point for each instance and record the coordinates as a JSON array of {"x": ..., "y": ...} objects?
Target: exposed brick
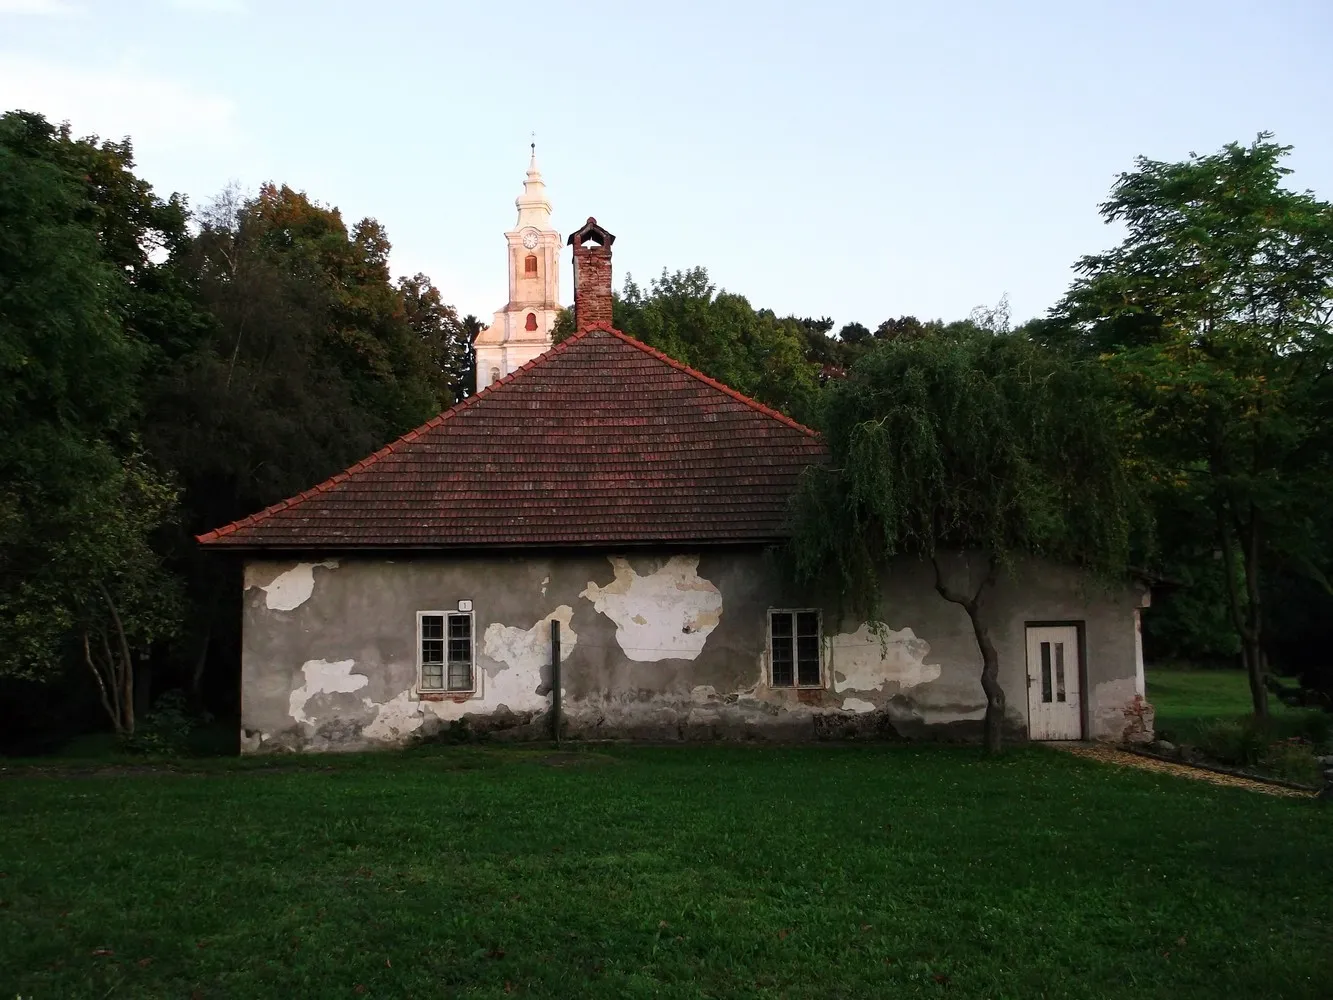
[{"x": 592, "y": 276}]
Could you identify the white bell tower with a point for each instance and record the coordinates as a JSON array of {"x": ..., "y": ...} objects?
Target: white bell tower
[{"x": 523, "y": 328}]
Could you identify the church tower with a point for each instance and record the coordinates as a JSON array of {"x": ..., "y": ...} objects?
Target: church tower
[{"x": 523, "y": 328}]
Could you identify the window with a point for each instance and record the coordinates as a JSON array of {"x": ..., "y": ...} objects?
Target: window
[
  {"x": 530, "y": 266},
  {"x": 444, "y": 650},
  {"x": 794, "y": 648},
  {"x": 495, "y": 375},
  {"x": 531, "y": 324}
]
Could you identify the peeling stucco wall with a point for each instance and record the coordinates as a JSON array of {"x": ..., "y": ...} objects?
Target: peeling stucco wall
[
  {"x": 290, "y": 588},
  {"x": 323, "y": 677},
  {"x": 865, "y": 661},
  {"x": 647, "y": 651},
  {"x": 663, "y": 615}
]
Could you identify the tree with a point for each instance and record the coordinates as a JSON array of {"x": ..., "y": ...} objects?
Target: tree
[
  {"x": 1215, "y": 314},
  {"x": 854, "y": 333},
  {"x": 447, "y": 340},
  {"x": 988, "y": 446},
  {"x": 68, "y": 399},
  {"x": 685, "y": 316},
  {"x": 902, "y": 328},
  {"x": 129, "y": 600}
]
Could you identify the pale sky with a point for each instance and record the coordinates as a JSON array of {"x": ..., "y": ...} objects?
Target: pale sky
[{"x": 855, "y": 160}]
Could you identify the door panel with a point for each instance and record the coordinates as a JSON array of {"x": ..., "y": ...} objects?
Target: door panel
[{"x": 1055, "y": 703}]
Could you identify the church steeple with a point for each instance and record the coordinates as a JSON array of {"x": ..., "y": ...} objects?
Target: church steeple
[
  {"x": 522, "y": 329},
  {"x": 533, "y": 208}
]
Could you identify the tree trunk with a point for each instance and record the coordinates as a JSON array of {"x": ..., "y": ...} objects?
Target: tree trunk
[
  {"x": 1253, "y": 640},
  {"x": 990, "y": 659},
  {"x": 1245, "y": 609},
  {"x": 990, "y": 681}
]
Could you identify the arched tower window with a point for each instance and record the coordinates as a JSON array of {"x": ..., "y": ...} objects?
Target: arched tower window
[
  {"x": 530, "y": 266},
  {"x": 531, "y": 324},
  {"x": 495, "y": 375}
]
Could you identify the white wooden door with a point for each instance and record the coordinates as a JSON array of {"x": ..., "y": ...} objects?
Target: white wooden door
[{"x": 1055, "y": 704}]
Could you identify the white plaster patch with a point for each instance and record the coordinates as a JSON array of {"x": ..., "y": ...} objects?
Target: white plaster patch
[
  {"x": 396, "y": 718},
  {"x": 861, "y": 662},
  {"x": 530, "y": 649},
  {"x": 857, "y": 705},
  {"x": 324, "y": 677},
  {"x": 667, "y": 615},
  {"x": 289, "y": 590}
]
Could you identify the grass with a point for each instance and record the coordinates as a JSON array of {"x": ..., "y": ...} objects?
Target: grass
[
  {"x": 1186, "y": 700},
  {"x": 1211, "y": 709},
  {"x": 830, "y": 871}
]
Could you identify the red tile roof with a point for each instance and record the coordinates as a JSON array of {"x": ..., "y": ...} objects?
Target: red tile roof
[{"x": 600, "y": 441}]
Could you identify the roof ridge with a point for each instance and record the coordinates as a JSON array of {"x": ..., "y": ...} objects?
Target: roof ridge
[{"x": 388, "y": 449}]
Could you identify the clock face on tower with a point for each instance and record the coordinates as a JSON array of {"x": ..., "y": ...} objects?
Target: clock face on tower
[{"x": 530, "y": 239}]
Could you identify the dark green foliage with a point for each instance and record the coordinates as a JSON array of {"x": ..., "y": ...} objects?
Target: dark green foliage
[
  {"x": 1215, "y": 315},
  {"x": 155, "y": 383},
  {"x": 1239, "y": 741},
  {"x": 684, "y": 316},
  {"x": 166, "y": 730},
  {"x": 493, "y": 873},
  {"x": 854, "y": 333},
  {"x": 964, "y": 442},
  {"x": 68, "y": 373}
]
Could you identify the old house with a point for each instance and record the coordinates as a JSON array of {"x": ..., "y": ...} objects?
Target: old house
[{"x": 602, "y": 486}]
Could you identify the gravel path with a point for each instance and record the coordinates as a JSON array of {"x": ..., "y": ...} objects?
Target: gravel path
[{"x": 1110, "y": 755}]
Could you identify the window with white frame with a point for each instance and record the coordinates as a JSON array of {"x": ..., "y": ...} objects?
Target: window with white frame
[
  {"x": 444, "y": 650},
  {"x": 794, "y": 649}
]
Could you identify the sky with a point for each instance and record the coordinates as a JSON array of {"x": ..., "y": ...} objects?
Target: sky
[{"x": 852, "y": 160}]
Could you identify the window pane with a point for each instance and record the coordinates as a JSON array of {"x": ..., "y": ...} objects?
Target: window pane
[
  {"x": 780, "y": 623},
  {"x": 807, "y": 659},
  {"x": 432, "y": 650},
  {"x": 460, "y": 653},
  {"x": 460, "y": 676},
  {"x": 1059, "y": 671},
  {"x": 432, "y": 626},
  {"x": 1045, "y": 671},
  {"x": 432, "y": 676},
  {"x": 807, "y": 623},
  {"x": 783, "y": 665}
]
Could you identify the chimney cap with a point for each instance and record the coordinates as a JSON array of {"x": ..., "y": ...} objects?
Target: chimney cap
[{"x": 591, "y": 232}]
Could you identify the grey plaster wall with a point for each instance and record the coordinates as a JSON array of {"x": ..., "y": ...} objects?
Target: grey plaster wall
[{"x": 661, "y": 647}]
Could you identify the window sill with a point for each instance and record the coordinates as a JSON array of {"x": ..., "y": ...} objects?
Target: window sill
[{"x": 457, "y": 697}]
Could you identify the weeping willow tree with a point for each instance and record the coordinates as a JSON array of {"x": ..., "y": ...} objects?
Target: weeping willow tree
[{"x": 983, "y": 445}]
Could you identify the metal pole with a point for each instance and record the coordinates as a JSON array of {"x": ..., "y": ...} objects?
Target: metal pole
[{"x": 555, "y": 680}]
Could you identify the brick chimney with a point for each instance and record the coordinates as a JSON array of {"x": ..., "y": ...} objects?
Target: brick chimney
[{"x": 592, "y": 275}]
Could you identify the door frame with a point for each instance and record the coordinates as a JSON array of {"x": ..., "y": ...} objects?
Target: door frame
[{"x": 1079, "y": 627}]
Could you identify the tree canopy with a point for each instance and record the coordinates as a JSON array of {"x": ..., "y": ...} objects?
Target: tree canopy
[
  {"x": 167, "y": 371},
  {"x": 973, "y": 444},
  {"x": 1214, "y": 314}
]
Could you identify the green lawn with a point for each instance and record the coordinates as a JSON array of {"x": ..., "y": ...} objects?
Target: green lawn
[
  {"x": 1187, "y": 700},
  {"x": 824, "y": 871}
]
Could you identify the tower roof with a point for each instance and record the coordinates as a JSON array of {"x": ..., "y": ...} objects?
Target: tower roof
[
  {"x": 600, "y": 441},
  {"x": 534, "y": 208}
]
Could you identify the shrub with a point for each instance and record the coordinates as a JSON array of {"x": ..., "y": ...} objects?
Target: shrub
[
  {"x": 1234, "y": 741},
  {"x": 1316, "y": 727},
  {"x": 1294, "y": 760},
  {"x": 165, "y": 731}
]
